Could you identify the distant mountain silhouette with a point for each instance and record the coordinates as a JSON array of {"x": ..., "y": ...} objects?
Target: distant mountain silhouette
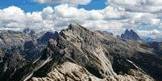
[{"x": 130, "y": 35}]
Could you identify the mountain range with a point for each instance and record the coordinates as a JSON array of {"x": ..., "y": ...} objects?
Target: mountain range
[{"x": 77, "y": 54}]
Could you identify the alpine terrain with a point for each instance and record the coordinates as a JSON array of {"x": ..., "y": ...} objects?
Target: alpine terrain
[{"x": 77, "y": 54}]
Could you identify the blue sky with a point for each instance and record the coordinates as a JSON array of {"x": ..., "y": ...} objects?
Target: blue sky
[
  {"x": 95, "y": 4},
  {"x": 30, "y": 5},
  {"x": 26, "y": 5}
]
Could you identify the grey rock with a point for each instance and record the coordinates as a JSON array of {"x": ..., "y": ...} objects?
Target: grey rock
[
  {"x": 130, "y": 35},
  {"x": 78, "y": 54}
]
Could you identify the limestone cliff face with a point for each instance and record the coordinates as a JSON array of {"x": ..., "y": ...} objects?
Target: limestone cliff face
[{"x": 78, "y": 54}]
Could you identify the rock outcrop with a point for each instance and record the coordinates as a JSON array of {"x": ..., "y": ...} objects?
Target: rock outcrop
[{"x": 130, "y": 35}]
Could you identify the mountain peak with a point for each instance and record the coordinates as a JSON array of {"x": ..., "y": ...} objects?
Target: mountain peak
[
  {"x": 75, "y": 27},
  {"x": 130, "y": 35},
  {"x": 74, "y": 30}
]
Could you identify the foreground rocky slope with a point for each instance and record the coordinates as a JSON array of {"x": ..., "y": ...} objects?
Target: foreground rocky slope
[{"x": 77, "y": 54}]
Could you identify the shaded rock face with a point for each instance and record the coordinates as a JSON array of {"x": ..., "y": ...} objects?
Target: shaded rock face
[
  {"x": 161, "y": 47},
  {"x": 154, "y": 44},
  {"x": 78, "y": 54},
  {"x": 130, "y": 35},
  {"x": 157, "y": 46},
  {"x": 17, "y": 50},
  {"x": 29, "y": 31},
  {"x": 12, "y": 38},
  {"x": 48, "y": 35}
]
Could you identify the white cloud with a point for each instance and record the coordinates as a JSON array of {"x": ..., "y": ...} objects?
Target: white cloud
[
  {"x": 93, "y": 19},
  {"x": 47, "y": 13},
  {"x": 118, "y": 16},
  {"x": 113, "y": 13},
  {"x": 12, "y": 13},
  {"x": 146, "y": 18},
  {"x": 58, "y": 17},
  {"x": 14, "y": 18},
  {"x": 155, "y": 34},
  {"x": 66, "y": 11},
  {"x": 95, "y": 15},
  {"x": 138, "y": 5}
]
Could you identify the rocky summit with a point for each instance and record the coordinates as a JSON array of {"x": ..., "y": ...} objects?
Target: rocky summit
[
  {"x": 77, "y": 54},
  {"x": 130, "y": 35}
]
